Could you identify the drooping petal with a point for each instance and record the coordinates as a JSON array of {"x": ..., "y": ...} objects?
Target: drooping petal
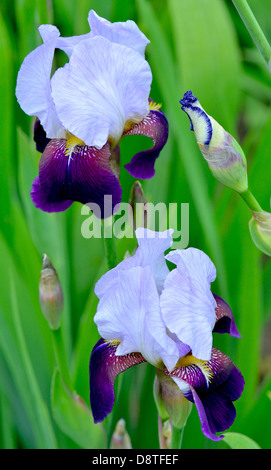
[
  {"x": 104, "y": 85},
  {"x": 33, "y": 89},
  {"x": 212, "y": 386},
  {"x": 187, "y": 304},
  {"x": 104, "y": 367},
  {"x": 150, "y": 252},
  {"x": 130, "y": 313},
  {"x": 126, "y": 33},
  {"x": 224, "y": 318},
  {"x": 82, "y": 175},
  {"x": 155, "y": 126}
]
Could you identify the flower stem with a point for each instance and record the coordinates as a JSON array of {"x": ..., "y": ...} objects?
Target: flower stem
[
  {"x": 251, "y": 201},
  {"x": 61, "y": 357},
  {"x": 254, "y": 29},
  {"x": 177, "y": 438}
]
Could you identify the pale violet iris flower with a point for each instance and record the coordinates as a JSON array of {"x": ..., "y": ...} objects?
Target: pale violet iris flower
[
  {"x": 148, "y": 313},
  {"x": 84, "y": 108}
]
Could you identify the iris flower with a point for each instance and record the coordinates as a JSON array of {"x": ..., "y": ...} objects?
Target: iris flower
[
  {"x": 148, "y": 313},
  {"x": 84, "y": 108}
]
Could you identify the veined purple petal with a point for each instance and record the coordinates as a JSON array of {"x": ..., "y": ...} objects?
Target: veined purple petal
[
  {"x": 224, "y": 318},
  {"x": 155, "y": 126},
  {"x": 104, "y": 367},
  {"x": 84, "y": 175},
  {"x": 212, "y": 386}
]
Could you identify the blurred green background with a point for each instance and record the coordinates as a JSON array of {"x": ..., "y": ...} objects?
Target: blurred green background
[{"x": 200, "y": 45}]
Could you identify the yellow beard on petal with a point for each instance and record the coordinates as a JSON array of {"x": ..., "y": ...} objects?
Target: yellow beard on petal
[
  {"x": 204, "y": 366},
  {"x": 154, "y": 106},
  {"x": 72, "y": 143}
]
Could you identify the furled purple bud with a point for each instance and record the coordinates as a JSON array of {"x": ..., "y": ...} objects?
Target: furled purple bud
[{"x": 222, "y": 152}]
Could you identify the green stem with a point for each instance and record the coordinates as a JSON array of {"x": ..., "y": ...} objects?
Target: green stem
[
  {"x": 254, "y": 29},
  {"x": 61, "y": 357},
  {"x": 251, "y": 201},
  {"x": 41, "y": 410},
  {"x": 177, "y": 438}
]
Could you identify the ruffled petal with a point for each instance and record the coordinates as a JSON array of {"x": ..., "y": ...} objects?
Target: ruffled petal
[
  {"x": 150, "y": 252},
  {"x": 104, "y": 367},
  {"x": 103, "y": 86},
  {"x": 130, "y": 313},
  {"x": 33, "y": 89},
  {"x": 155, "y": 126},
  {"x": 126, "y": 33},
  {"x": 224, "y": 318},
  {"x": 82, "y": 175},
  {"x": 212, "y": 386},
  {"x": 187, "y": 304}
]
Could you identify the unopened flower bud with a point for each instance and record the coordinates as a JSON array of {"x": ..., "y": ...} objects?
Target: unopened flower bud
[
  {"x": 222, "y": 152},
  {"x": 120, "y": 438},
  {"x": 138, "y": 202},
  {"x": 170, "y": 401},
  {"x": 50, "y": 294},
  {"x": 260, "y": 230}
]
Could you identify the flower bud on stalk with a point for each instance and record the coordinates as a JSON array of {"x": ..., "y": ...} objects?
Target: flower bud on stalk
[
  {"x": 120, "y": 438},
  {"x": 139, "y": 205},
  {"x": 170, "y": 401},
  {"x": 260, "y": 230},
  {"x": 50, "y": 294},
  {"x": 222, "y": 152}
]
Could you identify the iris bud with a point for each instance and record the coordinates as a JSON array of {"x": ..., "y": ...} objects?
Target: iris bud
[
  {"x": 170, "y": 401},
  {"x": 120, "y": 438},
  {"x": 260, "y": 230},
  {"x": 50, "y": 294},
  {"x": 138, "y": 202},
  {"x": 222, "y": 152}
]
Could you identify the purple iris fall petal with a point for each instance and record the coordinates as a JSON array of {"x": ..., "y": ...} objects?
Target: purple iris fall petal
[
  {"x": 104, "y": 367},
  {"x": 212, "y": 387},
  {"x": 83, "y": 174},
  {"x": 155, "y": 126},
  {"x": 224, "y": 318}
]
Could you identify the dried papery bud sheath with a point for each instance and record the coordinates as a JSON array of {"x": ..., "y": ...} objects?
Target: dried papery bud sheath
[
  {"x": 50, "y": 294},
  {"x": 170, "y": 401},
  {"x": 260, "y": 230},
  {"x": 120, "y": 438},
  {"x": 222, "y": 152}
]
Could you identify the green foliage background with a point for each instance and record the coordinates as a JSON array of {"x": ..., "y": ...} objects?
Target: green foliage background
[{"x": 200, "y": 45}]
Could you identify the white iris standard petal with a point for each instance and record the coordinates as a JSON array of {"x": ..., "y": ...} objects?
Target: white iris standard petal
[
  {"x": 33, "y": 89},
  {"x": 126, "y": 33},
  {"x": 187, "y": 304},
  {"x": 131, "y": 314},
  {"x": 102, "y": 87},
  {"x": 150, "y": 252}
]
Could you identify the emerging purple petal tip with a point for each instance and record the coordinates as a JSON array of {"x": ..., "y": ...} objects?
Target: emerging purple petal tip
[{"x": 188, "y": 99}]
